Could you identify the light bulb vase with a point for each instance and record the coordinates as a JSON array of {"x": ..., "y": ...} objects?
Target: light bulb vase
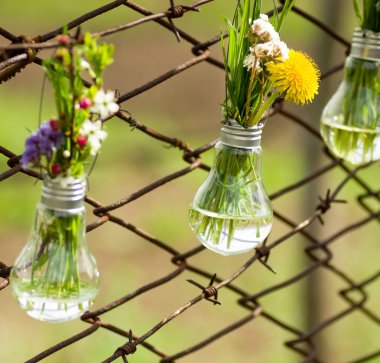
[
  {"x": 231, "y": 212},
  {"x": 350, "y": 123},
  {"x": 55, "y": 278}
]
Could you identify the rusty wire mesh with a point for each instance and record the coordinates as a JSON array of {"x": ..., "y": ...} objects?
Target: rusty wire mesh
[{"x": 318, "y": 250}]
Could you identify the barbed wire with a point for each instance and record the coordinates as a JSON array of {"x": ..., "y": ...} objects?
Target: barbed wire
[{"x": 24, "y": 50}]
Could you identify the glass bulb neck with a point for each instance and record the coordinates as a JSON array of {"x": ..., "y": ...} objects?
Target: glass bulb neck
[
  {"x": 365, "y": 45},
  {"x": 234, "y": 135},
  {"x": 66, "y": 197}
]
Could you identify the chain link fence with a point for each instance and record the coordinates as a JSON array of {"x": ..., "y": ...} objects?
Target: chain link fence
[{"x": 320, "y": 251}]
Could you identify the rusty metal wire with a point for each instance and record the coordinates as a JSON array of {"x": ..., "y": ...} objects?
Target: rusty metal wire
[{"x": 24, "y": 50}]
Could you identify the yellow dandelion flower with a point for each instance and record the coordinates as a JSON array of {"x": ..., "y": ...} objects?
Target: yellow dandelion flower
[{"x": 297, "y": 78}]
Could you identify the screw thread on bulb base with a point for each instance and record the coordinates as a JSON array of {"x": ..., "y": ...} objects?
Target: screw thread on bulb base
[
  {"x": 235, "y": 135},
  {"x": 68, "y": 198},
  {"x": 365, "y": 45}
]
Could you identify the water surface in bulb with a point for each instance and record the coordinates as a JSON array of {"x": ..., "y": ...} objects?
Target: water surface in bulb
[
  {"x": 229, "y": 235},
  {"x": 49, "y": 306},
  {"x": 356, "y": 145}
]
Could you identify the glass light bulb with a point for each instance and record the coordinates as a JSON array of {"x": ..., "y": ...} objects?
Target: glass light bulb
[
  {"x": 55, "y": 278},
  {"x": 350, "y": 123},
  {"x": 231, "y": 212}
]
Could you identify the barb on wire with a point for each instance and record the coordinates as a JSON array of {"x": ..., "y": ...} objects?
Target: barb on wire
[
  {"x": 209, "y": 291},
  {"x": 176, "y": 11},
  {"x": 126, "y": 349},
  {"x": 325, "y": 204}
]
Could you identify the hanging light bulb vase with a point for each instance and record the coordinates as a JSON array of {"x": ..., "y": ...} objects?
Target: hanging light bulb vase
[
  {"x": 350, "y": 124},
  {"x": 231, "y": 212},
  {"x": 55, "y": 278}
]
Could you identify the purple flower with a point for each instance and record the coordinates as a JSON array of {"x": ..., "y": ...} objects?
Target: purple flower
[
  {"x": 31, "y": 154},
  {"x": 41, "y": 143}
]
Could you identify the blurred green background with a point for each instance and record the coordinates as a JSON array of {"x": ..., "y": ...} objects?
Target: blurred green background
[{"x": 187, "y": 107}]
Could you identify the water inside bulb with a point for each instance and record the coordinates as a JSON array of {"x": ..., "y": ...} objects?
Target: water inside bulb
[
  {"x": 231, "y": 212},
  {"x": 350, "y": 122},
  {"x": 55, "y": 277},
  {"x": 47, "y": 306},
  {"x": 228, "y": 235},
  {"x": 353, "y": 144}
]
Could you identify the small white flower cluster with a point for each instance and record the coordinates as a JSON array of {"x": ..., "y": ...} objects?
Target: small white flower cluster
[
  {"x": 263, "y": 29},
  {"x": 267, "y": 44},
  {"x": 94, "y": 134},
  {"x": 104, "y": 104}
]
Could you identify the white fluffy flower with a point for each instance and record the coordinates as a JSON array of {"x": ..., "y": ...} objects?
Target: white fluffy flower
[
  {"x": 263, "y": 50},
  {"x": 104, "y": 104},
  {"x": 280, "y": 50},
  {"x": 264, "y": 17},
  {"x": 272, "y": 49},
  {"x": 264, "y": 30},
  {"x": 94, "y": 134},
  {"x": 251, "y": 61}
]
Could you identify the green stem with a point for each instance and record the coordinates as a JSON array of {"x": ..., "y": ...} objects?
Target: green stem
[
  {"x": 249, "y": 93},
  {"x": 258, "y": 115}
]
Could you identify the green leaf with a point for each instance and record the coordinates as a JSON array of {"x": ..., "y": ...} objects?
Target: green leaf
[
  {"x": 99, "y": 55},
  {"x": 285, "y": 11},
  {"x": 256, "y": 9},
  {"x": 357, "y": 10},
  {"x": 371, "y": 15}
]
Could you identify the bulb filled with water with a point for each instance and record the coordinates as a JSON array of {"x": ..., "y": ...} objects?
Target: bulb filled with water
[
  {"x": 231, "y": 212},
  {"x": 350, "y": 122},
  {"x": 55, "y": 277}
]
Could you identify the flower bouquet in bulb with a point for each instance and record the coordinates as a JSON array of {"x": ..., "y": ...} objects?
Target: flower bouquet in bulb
[
  {"x": 231, "y": 212},
  {"x": 350, "y": 122},
  {"x": 55, "y": 278}
]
